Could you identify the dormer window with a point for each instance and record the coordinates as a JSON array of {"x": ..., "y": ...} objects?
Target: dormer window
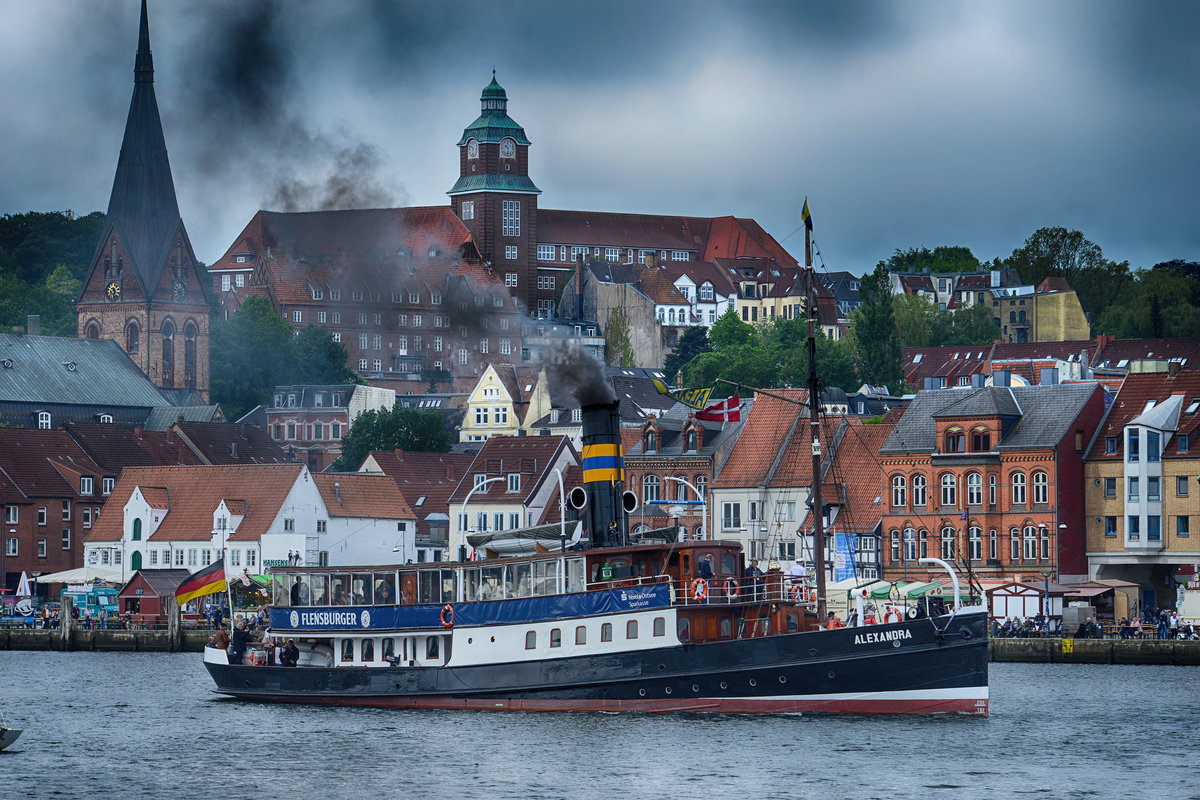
[
  {"x": 87, "y": 485},
  {"x": 981, "y": 441},
  {"x": 955, "y": 441},
  {"x": 692, "y": 441},
  {"x": 651, "y": 442},
  {"x": 576, "y": 415}
]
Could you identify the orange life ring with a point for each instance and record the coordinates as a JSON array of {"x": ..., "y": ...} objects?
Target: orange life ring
[
  {"x": 812, "y": 595},
  {"x": 447, "y": 616},
  {"x": 699, "y": 589},
  {"x": 891, "y": 615},
  {"x": 731, "y": 588}
]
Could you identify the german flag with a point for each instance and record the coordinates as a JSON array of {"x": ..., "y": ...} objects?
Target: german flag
[{"x": 209, "y": 580}]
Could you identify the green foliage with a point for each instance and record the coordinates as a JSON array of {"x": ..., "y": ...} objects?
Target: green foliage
[
  {"x": 729, "y": 331},
  {"x": 1160, "y": 303},
  {"x": 256, "y": 350},
  {"x": 1058, "y": 252},
  {"x": 43, "y": 258},
  {"x": 874, "y": 333},
  {"x": 617, "y": 340},
  {"x": 692, "y": 343},
  {"x": 389, "y": 429},
  {"x": 939, "y": 259}
]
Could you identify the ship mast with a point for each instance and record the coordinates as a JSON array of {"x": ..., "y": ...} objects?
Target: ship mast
[{"x": 814, "y": 399}]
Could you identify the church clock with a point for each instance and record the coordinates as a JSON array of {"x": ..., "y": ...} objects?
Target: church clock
[
  {"x": 180, "y": 291},
  {"x": 113, "y": 290}
]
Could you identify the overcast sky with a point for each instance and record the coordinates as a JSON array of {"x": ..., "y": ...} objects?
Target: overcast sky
[{"x": 906, "y": 124}]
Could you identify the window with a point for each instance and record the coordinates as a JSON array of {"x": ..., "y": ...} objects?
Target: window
[
  {"x": 555, "y": 637},
  {"x": 41, "y": 548},
  {"x": 1132, "y": 452},
  {"x": 1041, "y": 489},
  {"x": 41, "y": 514},
  {"x": 1110, "y": 487},
  {"x": 1152, "y": 445},
  {"x": 66, "y": 510},
  {"x": 1181, "y": 526},
  {"x": 530, "y": 636},
  {"x": 649, "y": 488},
  {"x": 481, "y": 416},
  {"x": 545, "y": 252},
  {"x": 462, "y": 356},
  {"x": 43, "y": 420},
  {"x": 289, "y": 525},
  {"x": 225, "y": 283},
  {"x": 731, "y": 515},
  {"x": 468, "y": 209},
  {"x": 510, "y": 218},
  {"x": 377, "y": 342},
  {"x": 1018, "y": 489},
  {"x": 974, "y": 489},
  {"x": 546, "y": 281},
  {"x": 651, "y": 442},
  {"x": 1030, "y": 543},
  {"x": 918, "y": 491},
  {"x": 1153, "y": 528},
  {"x": 1134, "y": 489},
  {"x": 981, "y": 441},
  {"x": 1014, "y": 536},
  {"x": 1110, "y": 444},
  {"x": 949, "y": 491},
  {"x": 955, "y": 442},
  {"x": 1110, "y": 526},
  {"x": 606, "y": 632},
  {"x": 483, "y": 346},
  {"x": 899, "y": 490},
  {"x": 514, "y": 482},
  {"x": 321, "y": 317},
  {"x": 179, "y": 557},
  {"x": 1153, "y": 493},
  {"x": 1184, "y": 445},
  {"x": 87, "y": 516},
  {"x": 895, "y": 542},
  {"x": 701, "y": 483},
  {"x": 505, "y": 347},
  {"x": 631, "y": 631},
  {"x": 1181, "y": 486},
  {"x": 948, "y": 544},
  {"x": 10, "y": 546},
  {"x": 66, "y": 539},
  {"x": 362, "y": 341},
  {"x": 992, "y": 490},
  {"x": 510, "y": 252},
  {"x": 993, "y": 545},
  {"x": 910, "y": 544},
  {"x": 1135, "y": 531}
]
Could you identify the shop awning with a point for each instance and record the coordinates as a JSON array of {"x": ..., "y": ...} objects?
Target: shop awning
[
  {"x": 921, "y": 589},
  {"x": 82, "y": 575},
  {"x": 884, "y": 590},
  {"x": 1089, "y": 591}
]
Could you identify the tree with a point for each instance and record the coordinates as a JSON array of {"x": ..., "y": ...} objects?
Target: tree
[
  {"x": 256, "y": 350},
  {"x": 692, "y": 343},
  {"x": 729, "y": 330},
  {"x": 874, "y": 331},
  {"x": 940, "y": 259},
  {"x": 618, "y": 346},
  {"x": 1058, "y": 252},
  {"x": 913, "y": 316},
  {"x": 389, "y": 429}
]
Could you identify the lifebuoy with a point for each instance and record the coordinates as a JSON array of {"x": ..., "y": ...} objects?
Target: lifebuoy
[
  {"x": 891, "y": 615},
  {"x": 812, "y": 595},
  {"x": 447, "y": 616},
  {"x": 731, "y": 588},
  {"x": 699, "y": 589}
]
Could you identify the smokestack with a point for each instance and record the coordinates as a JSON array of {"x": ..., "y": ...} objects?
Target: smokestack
[
  {"x": 33, "y": 324},
  {"x": 579, "y": 289},
  {"x": 604, "y": 475}
]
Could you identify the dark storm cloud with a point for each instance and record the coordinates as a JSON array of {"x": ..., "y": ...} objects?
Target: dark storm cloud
[{"x": 906, "y": 124}]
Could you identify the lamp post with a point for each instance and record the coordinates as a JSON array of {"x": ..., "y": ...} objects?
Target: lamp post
[
  {"x": 462, "y": 515},
  {"x": 703, "y": 504},
  {"x": 562, "y": 511}
]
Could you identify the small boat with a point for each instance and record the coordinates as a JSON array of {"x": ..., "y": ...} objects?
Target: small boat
[{"x": 8, "y": 735}]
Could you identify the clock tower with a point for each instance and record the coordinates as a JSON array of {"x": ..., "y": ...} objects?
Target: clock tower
[
  {"x": 494, "y": 196},
  {"x": 143, "y": 289}
]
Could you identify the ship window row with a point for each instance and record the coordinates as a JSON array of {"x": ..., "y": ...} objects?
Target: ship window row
[
  {"x": 659, "y": 628},
  {"x": 473, "y": 582},
  {"x": 412, "y": 649}
]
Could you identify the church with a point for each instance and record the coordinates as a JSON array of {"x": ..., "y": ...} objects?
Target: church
[{"x": 143, "y": 289}]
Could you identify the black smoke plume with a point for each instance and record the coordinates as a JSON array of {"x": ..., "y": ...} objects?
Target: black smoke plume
[{"x": 573, "y": 370}]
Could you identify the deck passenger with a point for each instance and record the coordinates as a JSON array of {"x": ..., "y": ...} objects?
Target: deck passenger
[
  {"x": 756, "y": 578},
  {"x": 300, "y": 594},
  {"x": 290, "y": 654}
]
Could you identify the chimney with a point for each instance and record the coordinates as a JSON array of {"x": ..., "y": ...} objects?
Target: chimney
[
  {"x": 337, "y": 491},
  {"x": 1001, "y": 377},
  {"x": 579, "y": 289},
  {"x": 1049, "y": 376},
  {"x": 1172, "y": 368},
  {"x": 978, "y": 380},
  {"x": 33, "y": 324}
]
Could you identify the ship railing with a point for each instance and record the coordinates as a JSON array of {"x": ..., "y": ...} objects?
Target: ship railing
[
  {"x": 729, "y": 590},
  {"x": 625, "y": 583}
]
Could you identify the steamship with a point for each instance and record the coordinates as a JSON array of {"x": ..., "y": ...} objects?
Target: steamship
[{"x": 583, "y": 616}]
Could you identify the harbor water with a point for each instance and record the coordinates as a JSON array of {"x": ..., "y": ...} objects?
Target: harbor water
[{"x": 147, "y": 725}]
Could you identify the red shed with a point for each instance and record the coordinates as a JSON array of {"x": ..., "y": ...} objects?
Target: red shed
[{"x": 144, "y": 597}]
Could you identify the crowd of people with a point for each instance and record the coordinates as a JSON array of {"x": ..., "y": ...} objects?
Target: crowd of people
[
  {"x": 1162, "y": 624},
  {"x": 250, "y": 643}
]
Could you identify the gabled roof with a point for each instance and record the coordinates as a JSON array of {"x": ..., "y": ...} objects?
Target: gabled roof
[
  {"x": 1117, "y": 353},
  {"x": 58, "y": 371},
  {"x": 142, "y": 207},
  {"x": 1046, "y": 414},
  {"x": 765, "y": 434},
  {"x": 599, "y": 229},
  {"x": 362, "y": 495},
  {"x": 530, "y": 456},
  {"x": 426, "y": 480},
  {"x": 990, "y": 401},
  {"x": 32, "y": 458},
  {"x": 231, "y": 443},
  {"x": 1135, "y": 394},
  {"x": 115, "y": 447},
  {"x": 858, "y": 476},
  {"x": 192, "y": 494},
  {"x": 734, "y": 237}
]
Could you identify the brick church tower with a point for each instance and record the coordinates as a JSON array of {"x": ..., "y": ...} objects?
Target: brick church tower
[
  {"x": 494, "y": 196},
  {"x": 143, "y": 289}
]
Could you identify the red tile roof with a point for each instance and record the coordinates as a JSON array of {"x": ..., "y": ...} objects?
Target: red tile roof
[
  {"x": 661, "y": 232},
  {"x": 859, "y": 476},
  {"x": 359, "y": 494},
  {"x": 1130, "y": 403},
  {"x": 768, "y": 429},
  {"x": 31, "y": 458},
  {"x": 192, "y": 494},
  {"x": 531, "y": 456},
  {"x": 425, "y": 479}
]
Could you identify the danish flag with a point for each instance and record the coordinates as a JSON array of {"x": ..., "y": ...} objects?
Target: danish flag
[{"x": 727, "y": 410}]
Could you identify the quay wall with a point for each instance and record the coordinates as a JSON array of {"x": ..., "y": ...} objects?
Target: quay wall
[
  {"x": 149, "y": 641},
  {"x": 1096, "y": 651}
]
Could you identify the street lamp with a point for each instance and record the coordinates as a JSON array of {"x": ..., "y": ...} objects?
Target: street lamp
[
  {"x": 462, "y": 515},
  {"x": 703, "y": 504}
]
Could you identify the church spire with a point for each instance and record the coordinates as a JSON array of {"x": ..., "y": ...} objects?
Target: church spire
[{"x": 143, "y": 63}]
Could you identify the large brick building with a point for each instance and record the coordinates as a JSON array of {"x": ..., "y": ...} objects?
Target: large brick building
[
  {"x": 143, "y": 288},
  {"x": 992, "y": 475}
]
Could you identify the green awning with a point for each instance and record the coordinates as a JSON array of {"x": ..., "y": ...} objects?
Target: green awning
[
  {"x": 921, "y": 589},
  {"x": 884, "y": 590}
]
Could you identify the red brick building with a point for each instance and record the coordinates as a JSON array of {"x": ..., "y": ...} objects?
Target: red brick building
[{"x": 993, "y": 476}]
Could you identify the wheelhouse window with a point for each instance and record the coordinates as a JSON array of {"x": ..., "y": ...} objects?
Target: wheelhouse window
[
  {"x": 368, "y": 649},
  {"x": 347, "y": 649}
]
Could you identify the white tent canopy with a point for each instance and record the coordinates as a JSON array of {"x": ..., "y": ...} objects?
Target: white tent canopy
[{"x": 81, "y": 575}]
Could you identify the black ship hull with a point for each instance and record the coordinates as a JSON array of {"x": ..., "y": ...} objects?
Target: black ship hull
[{"x": 912, "y": 667}]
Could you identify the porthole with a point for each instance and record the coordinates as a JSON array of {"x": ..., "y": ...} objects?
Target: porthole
[
  {"x": 830, "y": 674},
  {"x": 812, "y": 652},
  {"x": 493, "y": 639},
  {"x": 469, "y": 640},
  {"x": 397, "y": 686},
  {"x": 782, "y": 679},
  {"x": 724, "y": 685},
  {"x": 668, "y": 690},
  {"x": 642, "y": 692},
  {"x": 753, "y": 682},
  {"x": 695, "y": 687},
  {"x": 662, "y": 667}
]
